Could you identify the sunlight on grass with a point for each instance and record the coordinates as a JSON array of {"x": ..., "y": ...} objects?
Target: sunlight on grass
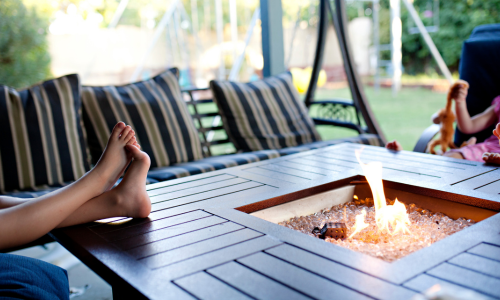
[{"x": 403, "y": 117}]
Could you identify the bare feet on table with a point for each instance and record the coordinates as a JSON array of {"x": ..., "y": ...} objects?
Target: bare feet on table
[
  {"x": 131, "y": 192},
  {"x": 491, "y": 158},
  {"x": 114, "y": 160}
]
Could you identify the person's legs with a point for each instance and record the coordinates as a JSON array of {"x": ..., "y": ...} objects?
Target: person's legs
[
  {"x": 128, "y": 199},
  {"x": 454, "y": 154},
  {"x": 32, "y": 219}
]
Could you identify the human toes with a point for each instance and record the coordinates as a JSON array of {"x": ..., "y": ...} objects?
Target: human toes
[
  {"x": 129, "y": 136},
  {"x": 117, "y": 130},
  {"x": 132, "y": 141},
  {"x": 125, "y": 132},
  {"x": 491, "y": 158},
  {"x": 137, "y": 154}
]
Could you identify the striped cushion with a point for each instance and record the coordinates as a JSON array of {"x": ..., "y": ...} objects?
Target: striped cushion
[
  {"x": 42, "y": 141},
  {"x": 155, "y": 110},
  {"x": 264, "y": 114}
]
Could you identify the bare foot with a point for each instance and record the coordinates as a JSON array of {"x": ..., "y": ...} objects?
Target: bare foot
[
  {"x": 131, "y": 192},
  {"x": 114, "y": 159},
  {"x": 491, "y": 158},
  {"x": 496, "y": 131},
  {"x": 469, "y": 142},
  {"x": 394, "y": 145}
]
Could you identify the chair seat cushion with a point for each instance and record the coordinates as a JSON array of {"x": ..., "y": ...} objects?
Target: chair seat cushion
[
  {"x": 156, "y": 111},
  {"x": 42, "y": 139},
  {"x": 264, "y": 114}
]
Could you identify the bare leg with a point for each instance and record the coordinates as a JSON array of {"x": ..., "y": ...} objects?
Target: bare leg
[
  {"x": 454, "y": 155},
  {"x": 32, "y": 219}
]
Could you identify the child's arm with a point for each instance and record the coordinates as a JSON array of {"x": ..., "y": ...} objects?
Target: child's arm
[{"x": 475, "y": 124}]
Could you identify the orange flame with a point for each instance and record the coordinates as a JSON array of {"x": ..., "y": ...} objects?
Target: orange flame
[
  {"x": 360, "y": 223},
  {"x": 386, "y": 216}
]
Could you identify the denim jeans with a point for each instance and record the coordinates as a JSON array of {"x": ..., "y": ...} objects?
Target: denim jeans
[{"x": 28, "y": 278}]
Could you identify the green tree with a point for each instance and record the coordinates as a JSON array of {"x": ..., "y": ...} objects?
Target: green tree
[
  {"x": 24, "y": 56},
  {"x": 457, "y": 19}
]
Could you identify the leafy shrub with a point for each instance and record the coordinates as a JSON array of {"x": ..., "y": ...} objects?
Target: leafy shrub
[{"x": 24, "y": 56}]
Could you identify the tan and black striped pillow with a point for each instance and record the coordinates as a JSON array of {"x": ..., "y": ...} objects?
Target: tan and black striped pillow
[
  {"x": 42, "y": 141},
  {"x": 264, "y": 114},
  {"x": 155, "y": 110}
]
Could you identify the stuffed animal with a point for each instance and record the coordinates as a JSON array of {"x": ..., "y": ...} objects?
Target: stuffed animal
[{"x": 446, "y": 117}]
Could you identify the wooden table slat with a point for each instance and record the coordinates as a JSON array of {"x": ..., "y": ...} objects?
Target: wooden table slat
[
  {"x": 253, "y": 283},
  {"x": 304, "y": 168},
  {"x": 199, "y": 248},
  {"x": 477, "y": 181},
  {"x": 197, "y": 190},
  {"x": 297, "y": 278},
  {"x": 289, "y": 171},
  {"x": 139, "y": 229},
  {"x": 477, "y": 263},
  {"x": 491, "y": 187},
  {"x": 317, "y": 164},
  {"x": 176, "y": 241},
  {"x": 343, "y": 275},
  {"x": 167, "y": 232},
  {"x": 276, "y": 175},
  {"x": 424, "y": 282},
  {"x": 207, "y": 287},
  {"x": 471, "y": 279},
  {"x": 189, "y": 184},
  {"x": 211, "y": 259},
  {"x": 205, "y": 195},
  {"x": 486, "y": 250},
  {"x": 408, "y": 164}
]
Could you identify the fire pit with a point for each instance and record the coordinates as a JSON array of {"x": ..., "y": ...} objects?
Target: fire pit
[{"x": 380, "y": 226}]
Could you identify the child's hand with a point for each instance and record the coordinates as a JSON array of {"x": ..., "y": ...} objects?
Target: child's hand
[
  {"x": 394, "y": 145},
  {"x": 460, "y": 93}
]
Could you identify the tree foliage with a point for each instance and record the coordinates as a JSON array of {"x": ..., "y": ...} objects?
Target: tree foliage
[
  {"x": 24, "y": 56},
  {"x": 457, "y": 19}
]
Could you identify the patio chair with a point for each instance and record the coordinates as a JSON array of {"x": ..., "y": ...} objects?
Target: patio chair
[{"x": 480, "y": 67}]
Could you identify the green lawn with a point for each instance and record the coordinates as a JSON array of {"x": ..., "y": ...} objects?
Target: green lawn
[{"x": 403, "y": 117}]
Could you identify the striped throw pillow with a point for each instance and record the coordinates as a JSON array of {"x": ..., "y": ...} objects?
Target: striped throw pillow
[
  {"x": 42, "y": 141},
  {"x": 264, "y": 114},
  {"x": 156, "y": 111}
]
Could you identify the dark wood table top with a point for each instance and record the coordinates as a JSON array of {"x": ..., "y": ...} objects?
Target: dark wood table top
[{"x": 200, "y": 241}]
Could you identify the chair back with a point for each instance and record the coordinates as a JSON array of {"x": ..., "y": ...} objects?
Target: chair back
[{"x": 480, "y": 67}]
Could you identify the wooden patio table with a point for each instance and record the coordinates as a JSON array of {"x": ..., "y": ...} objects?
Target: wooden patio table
[{"x": 200, "y": 241}]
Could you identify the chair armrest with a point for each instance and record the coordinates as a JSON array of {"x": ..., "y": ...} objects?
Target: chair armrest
[
  {"x": 320, "y": 121},
  {"x": 344, "y": 102},
  {"x": 428, "y": 134},
  {"x": 337, "y": 112}
]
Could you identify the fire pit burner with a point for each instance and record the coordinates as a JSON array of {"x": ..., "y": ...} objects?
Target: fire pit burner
[
  {"x": 331, "y": 230},
  {"x": 425, "y": 228}
]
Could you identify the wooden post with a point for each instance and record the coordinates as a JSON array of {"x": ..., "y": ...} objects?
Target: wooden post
[{"x": 272, "y": 37}]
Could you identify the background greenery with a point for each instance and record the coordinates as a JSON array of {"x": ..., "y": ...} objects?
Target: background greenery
[
  {"x": 457, "y": 19},
  {"x": 24, "y": 56}
]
